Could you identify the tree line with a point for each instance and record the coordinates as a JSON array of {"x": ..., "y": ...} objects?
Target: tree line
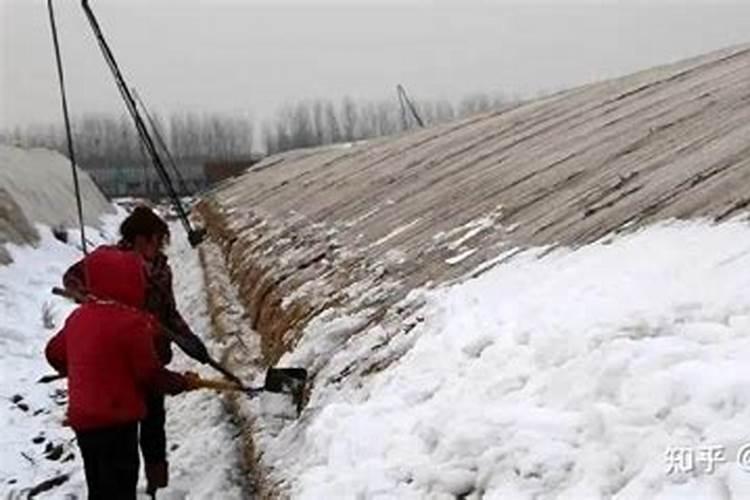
[
  {"x": 105, "y": 139},
  {"x": 109, "y": 140},
  {"x": 310, "y": 123}
]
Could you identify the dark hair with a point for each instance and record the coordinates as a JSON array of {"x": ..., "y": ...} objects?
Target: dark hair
[{"x": 143, "y": 222}]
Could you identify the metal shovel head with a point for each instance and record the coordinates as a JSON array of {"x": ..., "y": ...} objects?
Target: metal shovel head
[{"x": 287, "y": 381}]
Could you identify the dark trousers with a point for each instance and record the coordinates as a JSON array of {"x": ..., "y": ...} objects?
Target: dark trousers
[
  {"x": 110, "y": 460},
  {"x": 153, "y": 435}
]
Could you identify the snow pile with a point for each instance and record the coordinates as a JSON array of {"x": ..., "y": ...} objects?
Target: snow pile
[
  {"x": 37, "y": 187},
  {"x": 34, "y": 446},
  {"x": 568, "y": 376}
]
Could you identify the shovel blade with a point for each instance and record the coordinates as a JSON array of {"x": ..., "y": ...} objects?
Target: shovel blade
[{"x": 291, "y": 381}]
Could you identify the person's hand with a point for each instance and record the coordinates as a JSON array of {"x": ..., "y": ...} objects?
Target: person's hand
[{"x": 192, "y": 381}]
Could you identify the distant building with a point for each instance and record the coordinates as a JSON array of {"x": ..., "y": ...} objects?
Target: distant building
[{"x": 143, "y": 180}]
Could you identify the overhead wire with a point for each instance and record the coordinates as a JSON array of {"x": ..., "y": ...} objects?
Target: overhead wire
[
  {"x": 194, "y": 236},
  {"x": 162, "y": 144},
  {"x": 405, "y": 103},
  {"x": 68, "y": 132}
]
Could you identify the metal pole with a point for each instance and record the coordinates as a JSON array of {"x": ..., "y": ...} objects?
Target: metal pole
[{"x": 71, "y": 149}]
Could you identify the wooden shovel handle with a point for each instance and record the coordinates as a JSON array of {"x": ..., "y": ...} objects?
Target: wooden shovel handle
[{"x": 219, "y": 385}]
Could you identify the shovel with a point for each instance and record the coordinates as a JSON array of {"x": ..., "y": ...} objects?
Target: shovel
[{"x": 289, "y": 381}]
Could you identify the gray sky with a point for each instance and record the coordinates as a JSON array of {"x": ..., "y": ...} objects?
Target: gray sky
[{"x": 251, "y": 56}]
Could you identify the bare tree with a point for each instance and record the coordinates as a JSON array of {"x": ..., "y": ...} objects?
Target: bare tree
[
  {"x": 301, "y": 126},
  {"x": 270, "y": 139},
  {"x": 333, "y": 128},
  {"x": 444, "y": 111},
  {"x": 349, "y": 119},
  {"x": 109, "y": 140},
  {"x": 322, "y": 135}
]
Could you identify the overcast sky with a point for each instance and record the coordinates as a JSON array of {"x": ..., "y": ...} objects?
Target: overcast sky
[{"x": 251, "y": 56}]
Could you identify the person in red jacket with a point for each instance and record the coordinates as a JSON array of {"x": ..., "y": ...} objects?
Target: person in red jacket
[
  {"x": 145, "y": 233},
  {"x": 107, "y": 350}
]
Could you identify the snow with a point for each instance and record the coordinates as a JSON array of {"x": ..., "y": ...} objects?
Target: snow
[
  {"x": 41, "y": 183},
  {"x": 36, "y": 186},
  {"x": 554, "y": 374},
  {"x": 204, "y": 452},
  {"x": 207, "y": 461},
  {"x": 24, "y": 289},
  {"x": 396, "y": 232},
  {"x": 565, "y": 374},
  {"x": 472, "y": 229},
  {"x": 460, "y": 257}
]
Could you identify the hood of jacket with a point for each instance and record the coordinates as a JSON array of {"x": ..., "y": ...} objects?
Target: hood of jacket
[{"x": 117, "y": 275}]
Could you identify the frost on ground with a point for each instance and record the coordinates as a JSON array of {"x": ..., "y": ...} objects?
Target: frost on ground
[
  {"x": 575, "y": 375},
  {"x": 34, "y": 446}
]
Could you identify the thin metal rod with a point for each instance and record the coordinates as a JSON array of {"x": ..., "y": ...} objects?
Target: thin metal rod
[
  {"x": 139, "y": 124},
  {"x": 66, "y": 116},
  {"x": 160, "y": 141},
  {"x": 404, "y": 98}
]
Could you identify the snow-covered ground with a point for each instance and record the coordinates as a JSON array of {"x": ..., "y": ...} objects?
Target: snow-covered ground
[
  {"x": 618, "y": 370},
  {"x": 34, "y": 446}
]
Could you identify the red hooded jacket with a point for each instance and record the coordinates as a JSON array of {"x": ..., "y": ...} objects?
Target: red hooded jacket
[{"x": 106, "y": 347}]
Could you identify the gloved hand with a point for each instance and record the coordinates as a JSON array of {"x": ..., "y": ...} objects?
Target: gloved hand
[
  {"x": 157, "y": 476},
  {"x": 192, "y": 381}
]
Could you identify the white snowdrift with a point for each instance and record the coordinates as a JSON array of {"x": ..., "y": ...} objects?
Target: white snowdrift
[
  {"x": 36, "y": 187},
  {"x": 568, "y": 376},
  {"x": 41, "y": 183}
]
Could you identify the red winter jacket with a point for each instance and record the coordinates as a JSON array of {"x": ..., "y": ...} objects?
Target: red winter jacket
[{"x": 106, "y": 347}]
